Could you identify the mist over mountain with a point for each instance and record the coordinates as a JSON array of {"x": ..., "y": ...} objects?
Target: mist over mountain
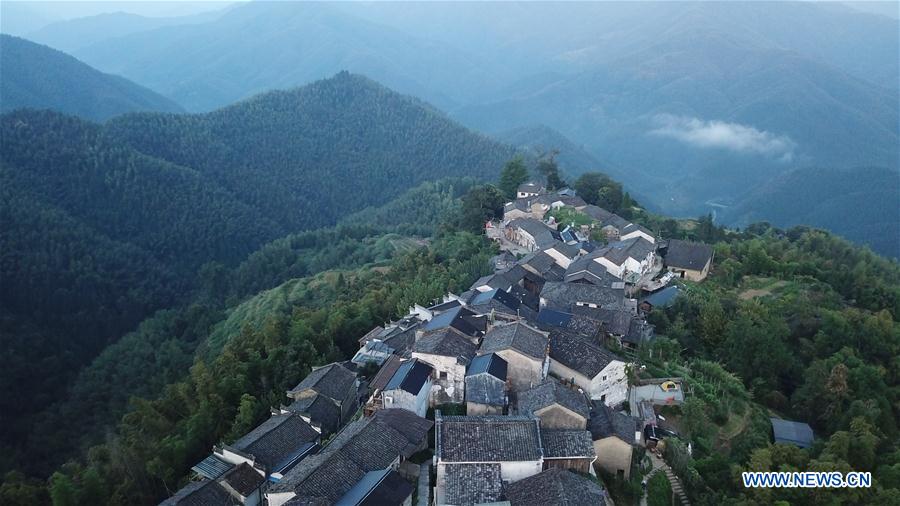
[
  {"x": 40, "y": 77},
  {"x": 690, "y": 104}
]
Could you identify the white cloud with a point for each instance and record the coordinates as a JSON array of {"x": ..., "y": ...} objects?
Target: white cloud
[{"x": 724, "y": 135}]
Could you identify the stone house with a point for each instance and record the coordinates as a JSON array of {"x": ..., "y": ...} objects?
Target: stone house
[{"x": 524, "y": 349}]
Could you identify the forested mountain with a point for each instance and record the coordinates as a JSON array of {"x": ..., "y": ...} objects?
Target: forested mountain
[
  {"x": 831, "y": 199},
  {"x": 39, "y": 77},
  {"x": 692, "y": 104},
  {"x": 538, "y": 140},
  {"x": 105, "y": 224}
]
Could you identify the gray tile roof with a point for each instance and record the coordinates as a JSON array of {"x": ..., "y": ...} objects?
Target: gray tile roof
[
  {"x": 496, "y": 300},
  {"x": 615, "y": 321},
  {"x": 544, "y": 266},
  {"x": 201, "y": 493},
  {"x": 368, "y": 444},
  {"x": 471, "y": 484},
  {"x": 320, "y": 410},
  {"x": 567, "y": 444},
  {"x": 243, "y": 479},
  {"x": 550, "y": 392},
  {"x": 688, "y": 255},
  {"x": 384, "y": 375},
  {"x": 585, "y": 269},
  {"x": 565, "y": 296},
  {"x": 446, "y": 342},
  {"x": 543, "y": 235},
  {"x": 458, "y": 318},
  {"x": 636, "y": 248},
  {"x": 531, "y": 187},
  {"x": 516, "y": 336},
  {"x": 332, "y": 380},
  {"x": 485, "y": 389},
  {"x": 634, "y": 227},
  {"x": 597, "y": 213},
  {"x": 606, "y": 422},
  {"x": 578, "y": 354},
  {"x": 557, "y": 487},
  {"x": 277, "y": 440},
  {"x": 489, "y": 363},
  {"x": 378, "y": 488},
  {"x": 488, "y": 438}
]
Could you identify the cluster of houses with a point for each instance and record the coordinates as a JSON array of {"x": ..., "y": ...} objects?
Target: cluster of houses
[{"x": 536, "y": 355}]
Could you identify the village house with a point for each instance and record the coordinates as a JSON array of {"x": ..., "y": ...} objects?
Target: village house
[
  {"x": 379, "y": 381},
  {"x": 660, "y": 299},
  {"x": 398, "y": 335},
  {"x": 379, "y": 488},
  {"x": 596, "y": 370},
  {"x": 458, "y": 318},
  {"x": 272, "y": 448},
  {"x": 584, "y": 326},
  {"x": 530, "y": 234},
  {"x": 486, "y": 385},
  {"x": 499, "y": 305},
  {"x": 382, "y": 441},
  {"x": 563, "y": 254},
  {"x": 524, "y": 349},
  {"x": 530, "y": 189},
  {"x": 239, "y": 485},
  {"x": 449, "y": 352},
  {"x": 501, "y": 280},
  {"x": 543, "y": 266},
  {"x": 324, "y": 387},
  {"x": 475, "y": 455},
  {"x": 566, "y": 296},
  {"x": 373, "y": 351},
  {"x": 556, "y": 486},
  {"x": 585, "y": 270},
  {"x": 633, "y": 256},
  {"x": 688, "y": 260},
  {"x": 409, "y": 387},
  {"x": 633, "y": 231},
  {"x": 568, "y": 449},
  {"x": 556, "y": 405},
  {"x": 615, "y": 434}
]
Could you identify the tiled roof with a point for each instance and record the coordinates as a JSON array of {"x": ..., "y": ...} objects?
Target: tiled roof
[
  {"x": 332, "y": 380},
  {"x": 321, "y": 410},
  {"x": 597, "y": 213},
  {"x": 372, "y": 334},
  {"x": 615, "y": 321},
  {"x": 636, "y": 248},
  {"x": 388, "y": 368},
  {"x": 368, "y": 444},
  {"x": 495, "y": 300},
  {"x": 531, "y": 187},
  {"x": 688, "y": 255},
  {"x": 585, "y": 269},
  {"x": 446, "y": 342},
  {"x": 578, "y": 354},
  {"x": 378, "y": 488},
  {"x": 485, "y": 389},
  {"x": 202, "y": 493},
  {"x": 488, "y": 439},
  {"x": 606, "y": 422},
  {"x": 543, "y": 265},
  {"x": 550, "y": 392},
  {"x": 458, "y": 318},
  {"x": 543, "y": 235},
  {"x": 564, "y": 444},
  {"x": 470, "y": 484},
  {"x": 277, "y": 440},
  {"x": 243, "y": 479},
  {"x": 565, "y": 296},
  {"x": 489, "y": 363},
  {"x": 558, "y": 487},
  {"x": 411, "y": 376},
  {"x": 516, "y": 336}
]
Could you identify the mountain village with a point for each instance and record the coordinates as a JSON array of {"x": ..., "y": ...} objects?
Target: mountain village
[{"x": 521, "y": 391}]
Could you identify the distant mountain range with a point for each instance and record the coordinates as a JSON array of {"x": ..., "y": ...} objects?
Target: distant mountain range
[
  {"x": 39, "y": 77},
  {"x": 692, "y": 105}
]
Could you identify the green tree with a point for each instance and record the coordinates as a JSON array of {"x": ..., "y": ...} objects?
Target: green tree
[
  {"x": 548, "y": 168},
  {"x": 514, "y": 173}
]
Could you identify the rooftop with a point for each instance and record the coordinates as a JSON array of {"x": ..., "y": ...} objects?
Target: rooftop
[
  {"x": 556, "y": 486},
  {"x": 606, "y": 422},
  {"x": 332, "y": 380},
  {"x": 550, "y": 392},
  {"x": 378, "y": 488},
  {"x": 410, "y": 376},
  {"x": 565, "y": 296},
  {"x": 636, "y": 248},
  {"x": 488, "y": 438},
  {"x": 446, "y": 342},
  {"x": 795, "y": 433},
  {"x": 567, "y": 444},
  {"x": 243, "y": 479},
  {"x": 516, "y": 336},
  {"x": 489, "y": 363},
  {"x": 202, "y": 493},
  {"x": 458, "y": 318},
  {"x": 388, "y": 368},
  {"x": 688, "y": 255},
  {"x": 469, "y": 484},
  {"x": 321, "y": 411},
  {"x": 279, "y": 441},
  {"x": 579, "y": 354},
  {"x": 662, "y": 298}
]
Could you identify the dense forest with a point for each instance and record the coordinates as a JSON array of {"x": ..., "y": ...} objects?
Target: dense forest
[
  {"x": 43, "y": 78},
  {"x": 104, "y": 225}
]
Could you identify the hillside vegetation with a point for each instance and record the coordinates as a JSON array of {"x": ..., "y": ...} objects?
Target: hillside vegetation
[{"x": 40, "y": 77}]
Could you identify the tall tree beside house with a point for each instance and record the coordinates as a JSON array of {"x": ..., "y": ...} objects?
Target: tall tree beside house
[
  {"x": 514, "y": 173},
  {"x": 548, "y": 168},
  {"x": 481, "y": 204}
]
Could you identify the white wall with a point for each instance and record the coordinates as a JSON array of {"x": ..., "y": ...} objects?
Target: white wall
[
  {"x": 453, "y": 388},
  {"x": 515, "y": 471},
  {"x": 614, "y": 386}
]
